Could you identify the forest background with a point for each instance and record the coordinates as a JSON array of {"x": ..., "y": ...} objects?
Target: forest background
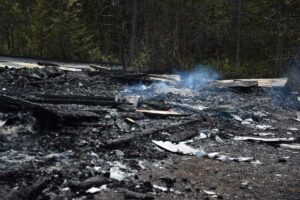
[{"x": 240, "y": 38}]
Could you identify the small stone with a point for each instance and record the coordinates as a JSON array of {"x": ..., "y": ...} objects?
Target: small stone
[
  {"x": 213, "y": 188},
  {"x": 282, "y": 160},
  {"x": 119, "y": 153},
  {"x": 168, "y": 181},
  {"x": 184, "y": 180},
  {"x": 148, "y": 184},
  {"x": 244, "y": 185},
  {"x": 209, "y": 192}
]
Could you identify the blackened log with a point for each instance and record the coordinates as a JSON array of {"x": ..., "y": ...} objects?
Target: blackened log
[
  {"x": 75, "y": 101},
  {"x": 136, "y": 75},
  {"x": 78, "y": 97},
  {"x": 132, "y": 137},
  {"x": 13, "y": 103},
  {"x": 182, "y": 135},
  {"x": 133, "y": 115},
  {"x": 155, "y": 104},
  {"x": 90, "y": 182},
  {"x": 236, "y": 84},
  {"x": 45, "y": 82},
  {"x": 44, "y": 114},
  {"x": 73, "y": 116},
  {"x": 132, "y": 78}
]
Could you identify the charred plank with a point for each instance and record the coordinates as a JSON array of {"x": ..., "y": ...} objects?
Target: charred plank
[
  {"x": 74, "y": 101},
  {"x": 77, "y": 97},
  {"x": 43, "y": 113},
  {"x": 132, "y": 137},
  {"x": 94, "y": 181},
  {"x": 43, "y": 63},
  {"x": 14, "y": 103}
]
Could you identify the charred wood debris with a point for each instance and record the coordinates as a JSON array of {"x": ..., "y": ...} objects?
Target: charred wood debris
[{"x": 77, "y": 134}]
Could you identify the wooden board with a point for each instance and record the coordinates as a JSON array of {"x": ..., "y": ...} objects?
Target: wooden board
[
  {"x": 276, "y": 82},
  {"x": 160, "y": 112}
]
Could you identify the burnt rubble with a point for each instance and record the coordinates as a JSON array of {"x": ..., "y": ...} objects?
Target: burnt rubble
[{"x": 102, "y": 133}]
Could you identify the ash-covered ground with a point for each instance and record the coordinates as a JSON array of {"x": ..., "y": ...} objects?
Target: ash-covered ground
[{"x": 77, "y": 135}]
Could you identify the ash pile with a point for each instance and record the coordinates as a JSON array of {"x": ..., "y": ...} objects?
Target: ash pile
[{"x": 101, "y": 133}]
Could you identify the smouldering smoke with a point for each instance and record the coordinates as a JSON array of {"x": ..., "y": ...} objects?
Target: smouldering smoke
[
  {"x": 134, "y": 88},
  {"x": 195, "y": 79},
  {"x": 198, "y": 77}
]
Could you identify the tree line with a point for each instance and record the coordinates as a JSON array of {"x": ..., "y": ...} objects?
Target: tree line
[{"x": 244, "y": 38}]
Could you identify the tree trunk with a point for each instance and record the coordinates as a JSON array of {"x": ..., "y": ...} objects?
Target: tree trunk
[
  {"x": 234, "y": 39},
  {"x": 132, "y": 50},
  {"x": 123, "y": 47},
  {"x": 237, "y": 55},
  {"x": 40, "y": 50},
  {"x": 281, "y": 31},
  {"x": 176, "y": 56},
  {"x": 8, "y": 42},
  {"x": 12, "y": 39}
]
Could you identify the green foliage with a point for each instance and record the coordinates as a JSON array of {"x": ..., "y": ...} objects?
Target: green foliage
[{"x": 241, "y": 38}]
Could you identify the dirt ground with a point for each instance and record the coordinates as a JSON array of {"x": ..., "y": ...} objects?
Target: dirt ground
[{"x": 63, "y": 150}]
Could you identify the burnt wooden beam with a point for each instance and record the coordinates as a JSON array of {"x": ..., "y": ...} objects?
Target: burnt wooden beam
[
  {"x": 75, "y": 101},
  {"x": 134, "y": 136},
  {"x": 44, "y": 114},
  {"x": 45, "y": 82},
  {"x": 107, "y": 98},
  {"x": 14, "y": 103},
  {"x": 132, "y": 78},
  {"x": 88, "y": 183}
]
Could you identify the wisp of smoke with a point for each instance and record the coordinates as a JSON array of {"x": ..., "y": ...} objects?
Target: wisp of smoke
[
  {"x": 198, "y": 77},
  {"x": 134, "y": 88},
  {"x": 195, "y": 79}
]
